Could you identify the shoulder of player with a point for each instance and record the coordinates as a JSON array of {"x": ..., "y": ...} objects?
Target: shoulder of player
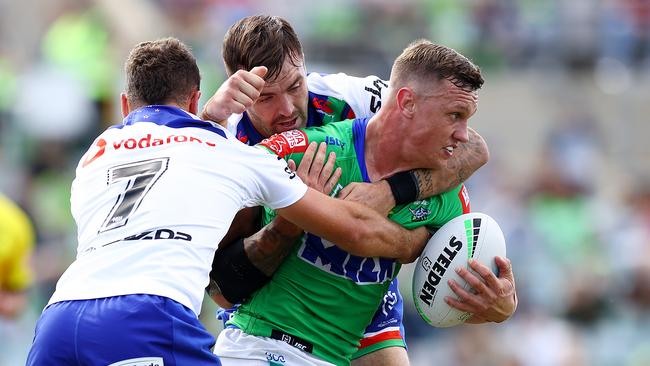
[
  {"x": 296, "y": 141},
  {"x": 336, "y": 84},
  {"x": 233, "y": 122}
]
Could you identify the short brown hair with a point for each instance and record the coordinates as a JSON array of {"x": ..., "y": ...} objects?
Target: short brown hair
[
  {"x": 161, "y": 71},
  {"x": 261, "y": 40},
  {"x": 423, "y": 59}
]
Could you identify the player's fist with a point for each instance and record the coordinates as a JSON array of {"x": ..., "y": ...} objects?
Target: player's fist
[{"x": 238, "y": 93}]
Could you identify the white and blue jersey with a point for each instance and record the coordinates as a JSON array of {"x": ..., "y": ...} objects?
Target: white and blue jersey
[{"x": 152, "y": 198}]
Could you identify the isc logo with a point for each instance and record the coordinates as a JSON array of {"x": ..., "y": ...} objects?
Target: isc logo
[{"x": 334, "y": 141}]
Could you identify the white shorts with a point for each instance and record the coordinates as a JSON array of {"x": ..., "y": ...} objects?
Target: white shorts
[{"x": 236, "y": 348}]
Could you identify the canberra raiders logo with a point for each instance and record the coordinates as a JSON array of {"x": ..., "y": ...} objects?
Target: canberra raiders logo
[{"x": 419, "y": 214}]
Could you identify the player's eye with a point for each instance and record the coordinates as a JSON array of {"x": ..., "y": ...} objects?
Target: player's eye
[{"x": 295, "y": 86}]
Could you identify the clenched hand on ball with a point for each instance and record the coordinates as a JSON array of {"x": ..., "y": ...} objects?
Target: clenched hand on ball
[{"x": 493, "y": 299}]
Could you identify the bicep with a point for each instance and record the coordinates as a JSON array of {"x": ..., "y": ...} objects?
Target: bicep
[{"x": 313, "y": 212}]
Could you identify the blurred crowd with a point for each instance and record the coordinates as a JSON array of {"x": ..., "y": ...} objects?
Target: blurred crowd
[{"x": 564, "y": 111}]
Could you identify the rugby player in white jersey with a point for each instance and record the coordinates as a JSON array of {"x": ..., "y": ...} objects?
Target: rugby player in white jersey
[
  {"x": 291, "y": 98},
  {"x": 152, "y": 197}
]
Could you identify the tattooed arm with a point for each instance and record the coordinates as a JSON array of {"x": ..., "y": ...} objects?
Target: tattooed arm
[
  {"x": 248, "y": 255},
  {"x": 467, "y": 158}
]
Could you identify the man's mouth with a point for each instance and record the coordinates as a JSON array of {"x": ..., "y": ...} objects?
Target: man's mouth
[
  {"x": 449, "y": 149},
  {"x": 288, "y": 125}
]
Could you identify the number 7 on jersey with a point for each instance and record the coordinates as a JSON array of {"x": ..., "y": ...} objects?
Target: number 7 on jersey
[{"x": 140, "y": 177}]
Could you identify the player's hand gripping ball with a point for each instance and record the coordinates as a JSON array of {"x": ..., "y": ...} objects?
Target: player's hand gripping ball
[{"x": 473, "y": 235}]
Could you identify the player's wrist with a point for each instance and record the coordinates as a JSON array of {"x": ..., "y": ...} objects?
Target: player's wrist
[
  {"x": 285, "y": 228},
  {"x": 404, "y": 187},
  {"x": 207, "y": 115}
]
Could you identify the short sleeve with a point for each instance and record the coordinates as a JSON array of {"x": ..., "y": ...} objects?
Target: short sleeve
[
  {"x": 364, "y": 95},
  {"x": 276, "y": 185}
]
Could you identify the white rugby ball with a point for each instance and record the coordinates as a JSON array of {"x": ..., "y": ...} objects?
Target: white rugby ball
[{"x": 473, "y": 235}]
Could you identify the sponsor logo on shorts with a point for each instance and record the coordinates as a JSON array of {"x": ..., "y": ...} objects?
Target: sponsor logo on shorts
[
  {"x": 275, "y": 358},
  {"x": 292, "y": 340},
  {"x": 389, "y": 302},
  {"x": 142, "y": 361}
]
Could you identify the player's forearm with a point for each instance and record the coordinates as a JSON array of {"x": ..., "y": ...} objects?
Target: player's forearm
[
  {"x": 354, "y": 227},
  {"x": 389, "y": 241},
  {"x": 468, "y": 158},
  {"x": 267, "y": 248}
]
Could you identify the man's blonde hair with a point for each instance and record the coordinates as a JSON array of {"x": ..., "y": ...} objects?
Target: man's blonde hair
[{"x": 425, "y": 61}]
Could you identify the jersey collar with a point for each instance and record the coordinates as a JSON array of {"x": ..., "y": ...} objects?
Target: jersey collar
[
  {"x": 359, "y": 136},
  {"x": 169, "y": 116}
]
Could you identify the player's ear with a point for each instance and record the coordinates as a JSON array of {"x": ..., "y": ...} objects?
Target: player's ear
[
  {"x": 125, "y": 105},
  {"x": 406, "y": 101},
  {"x": 194, "y": 102}
]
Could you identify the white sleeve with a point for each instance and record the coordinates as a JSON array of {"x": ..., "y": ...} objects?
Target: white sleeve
[
  {"x": 232, "y": 122},
  {"x": 364, "y": 95},
  {"x": 276, "y": 185}
]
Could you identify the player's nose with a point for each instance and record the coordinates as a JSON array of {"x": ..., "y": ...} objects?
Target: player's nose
[
  {"x": 460, "y": 134},
  {"x": 285, "y": 107}
]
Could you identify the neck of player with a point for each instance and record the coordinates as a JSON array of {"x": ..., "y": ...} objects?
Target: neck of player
[{"x": 384, "y": 145}]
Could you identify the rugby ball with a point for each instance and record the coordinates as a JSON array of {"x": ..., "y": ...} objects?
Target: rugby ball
[{"x": 473, "y": 235}]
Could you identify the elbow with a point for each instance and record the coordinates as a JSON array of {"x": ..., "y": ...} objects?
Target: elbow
[{"x": 483, "y": 153}]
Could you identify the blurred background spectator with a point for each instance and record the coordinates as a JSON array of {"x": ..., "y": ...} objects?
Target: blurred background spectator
[{"x": 564, "y": 111}]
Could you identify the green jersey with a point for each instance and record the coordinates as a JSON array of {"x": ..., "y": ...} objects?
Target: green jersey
[{"x": 322, "y": 298}]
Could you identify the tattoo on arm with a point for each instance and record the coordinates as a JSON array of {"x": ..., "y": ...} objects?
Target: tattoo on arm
[
  {"x": 426, "y": 184},
  {"x": 468, "y": 157},
  {"x": 267, "y": 248}
]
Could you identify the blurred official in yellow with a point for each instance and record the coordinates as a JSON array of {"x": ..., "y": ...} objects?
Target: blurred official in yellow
[{"x": 16, "y": 245}]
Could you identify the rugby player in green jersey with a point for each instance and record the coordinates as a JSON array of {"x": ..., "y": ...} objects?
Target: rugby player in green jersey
[
  {"x": 290, "y": 98},
  {"x": 420, "y": 128}
]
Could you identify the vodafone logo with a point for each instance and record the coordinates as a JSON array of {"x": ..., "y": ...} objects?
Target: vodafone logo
[
  {"x": 141, "y": 142},
  {"x": 101, "y": 145}
]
